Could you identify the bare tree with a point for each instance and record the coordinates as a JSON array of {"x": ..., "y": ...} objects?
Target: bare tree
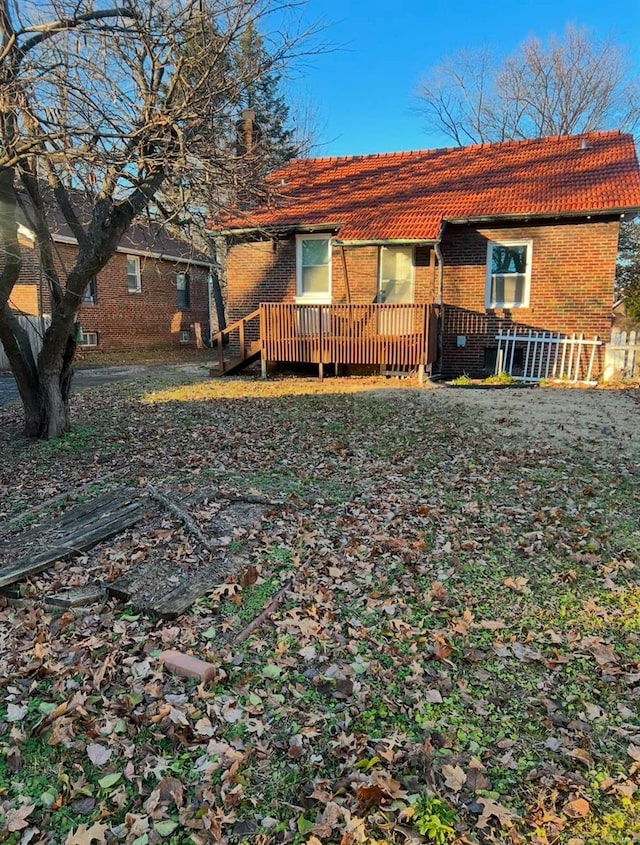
[
  {"x": 574, "y": 84},
  {"x": 100, "y": 107}
]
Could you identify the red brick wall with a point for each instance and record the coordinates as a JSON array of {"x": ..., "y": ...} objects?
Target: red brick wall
[
  {"x": 25, "y": 296},
  {"x": 572, "y": 273},
  {"x": 128, "y": 321},
  {"x": 264, "y": 272},
  {"x": 259, "y": 272}
]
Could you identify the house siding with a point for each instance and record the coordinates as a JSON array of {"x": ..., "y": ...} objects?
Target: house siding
[
  {"x": 572, "y": 273},
  {"x": 127, "y": 321}
]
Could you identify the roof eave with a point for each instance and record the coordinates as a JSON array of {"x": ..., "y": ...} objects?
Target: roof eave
[
  {"x": 281, "y": 229},
  {"x": 146, "y": 253},
  {"x": 387, "y": 241},
  {"x": 624, "y": 211}
]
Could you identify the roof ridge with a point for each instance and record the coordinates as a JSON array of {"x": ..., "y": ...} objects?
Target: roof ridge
[{"x": 597, "y": 133}]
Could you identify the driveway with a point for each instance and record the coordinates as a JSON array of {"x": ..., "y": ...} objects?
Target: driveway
[{"x": 84, "y": 378}]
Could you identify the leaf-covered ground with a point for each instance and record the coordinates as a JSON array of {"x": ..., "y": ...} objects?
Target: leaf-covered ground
[{"x": 455, "y": 656}]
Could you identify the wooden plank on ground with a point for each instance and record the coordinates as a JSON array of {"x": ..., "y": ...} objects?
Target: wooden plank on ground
[
  {"x": 180, "y": 599},
  {"x": 111, "y": 521},
  {"x": 61, "y": 523},
  {"x": 77, "y": 596}
]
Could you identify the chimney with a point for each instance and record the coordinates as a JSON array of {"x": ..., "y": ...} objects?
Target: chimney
[{"x": 247, "y": 132}]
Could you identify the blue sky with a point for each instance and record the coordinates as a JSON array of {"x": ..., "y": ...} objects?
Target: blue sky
[{"x": 363, "y": 91}]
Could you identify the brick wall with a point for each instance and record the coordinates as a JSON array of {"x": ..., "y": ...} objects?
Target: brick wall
[
  {"x": 266, "y": 272},
  {"x": 124, "y": 321},
  {"x": 25, "y": 296},
  {"x": 572, "y": 274}
]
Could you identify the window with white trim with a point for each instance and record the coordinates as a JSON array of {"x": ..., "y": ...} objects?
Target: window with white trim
[
  {"x": 313, "y": 266},
  {"x": 508, "y": 274},
  {"x": 182, "y": 290},
  {"x": 396, "y": 274},
  {"x": 90, "y": 297},
  {"x": 88, "y": 339},
  {"x": 134, "y": 284}
]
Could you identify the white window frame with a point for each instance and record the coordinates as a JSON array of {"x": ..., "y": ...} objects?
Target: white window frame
[
  {"x": 311, "y": 298},
  {"x": 90, "y": 295},
  {"x": 88, "y": 339},
  {"x": 527, "y": 275},
  {"x": 413, "y": 268},
  {"x": 184, "y": 336},
  {"x": 136, "y": 263},
  {"x": 183, "y": 306}
]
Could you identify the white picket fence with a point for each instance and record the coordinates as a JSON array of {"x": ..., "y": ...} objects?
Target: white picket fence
[
  {"x": 622, "y": 357},
  {"x": 35, "y": 327},
  {"x": 531, "y": 356}
]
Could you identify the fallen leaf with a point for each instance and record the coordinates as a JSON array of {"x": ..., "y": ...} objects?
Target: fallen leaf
[
  {"x": 634, "y": 752},
  {"x": 369, "y": 795},
  {"x": 454, "y": 777},
  {"x": 98, "y": 754},
  {"x": 110, "y": 780},
  {"x": 433, "y": 696},
  {"x": 579, "y": 808},
  {"x": 582, "y": 756},
  {"x": 86, "y": 835},
  {"x": 518, "y": 585},
  {"x": 15, "y": 712},
  {"x": 491, "y": 808},
  {"x": 16, "y": 817},
  {"x": 165, "y": 828}
]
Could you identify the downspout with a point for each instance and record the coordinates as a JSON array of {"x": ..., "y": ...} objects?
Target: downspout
[
  {"x": 346, "y": 276},
  {"x": 209, "y": 286},
  {"x": 440, "y": 296}
]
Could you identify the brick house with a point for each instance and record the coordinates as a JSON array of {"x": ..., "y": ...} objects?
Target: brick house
[
  {"x": 152, "y": 294},
  {"x": 490, "y": 237}
]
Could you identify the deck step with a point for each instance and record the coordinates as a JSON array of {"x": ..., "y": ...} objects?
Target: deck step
[{"x": 234, "y": 365}]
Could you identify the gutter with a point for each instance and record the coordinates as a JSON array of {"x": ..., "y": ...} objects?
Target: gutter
[{"x": 548, "y": 215}]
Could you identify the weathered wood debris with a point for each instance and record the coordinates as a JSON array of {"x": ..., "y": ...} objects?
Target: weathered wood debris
[{"x": 83, "y": 526}]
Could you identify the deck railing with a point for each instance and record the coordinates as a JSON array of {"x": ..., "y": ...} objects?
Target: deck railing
[{"x": 385, "y": 334}]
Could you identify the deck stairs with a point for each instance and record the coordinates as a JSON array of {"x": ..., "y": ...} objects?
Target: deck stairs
[{"x": 248, "y": 348}]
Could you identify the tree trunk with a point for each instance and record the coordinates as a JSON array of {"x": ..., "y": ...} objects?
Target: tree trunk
[
  {"x": 218, "y": 301},
  {"x": 55, "y": 372}
]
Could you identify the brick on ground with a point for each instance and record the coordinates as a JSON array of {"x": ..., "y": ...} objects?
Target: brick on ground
[{"x": 188, "y": 666}]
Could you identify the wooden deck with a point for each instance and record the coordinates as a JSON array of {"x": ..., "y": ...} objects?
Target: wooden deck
[{"x": 394, "y": 337}]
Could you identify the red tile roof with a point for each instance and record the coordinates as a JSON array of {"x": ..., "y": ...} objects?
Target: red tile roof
[{"x": 407, "y": 196}]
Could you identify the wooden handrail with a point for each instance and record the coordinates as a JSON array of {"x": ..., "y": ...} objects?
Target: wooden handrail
[{"x": 239, "y": 326}]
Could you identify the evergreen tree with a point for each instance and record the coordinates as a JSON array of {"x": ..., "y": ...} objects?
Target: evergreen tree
[
  {"x": 275, "y": 138},
  {"x": 628, "y": 268}
]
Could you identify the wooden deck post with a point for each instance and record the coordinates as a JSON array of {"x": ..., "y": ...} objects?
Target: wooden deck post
[{"x": 220, "y": 353}]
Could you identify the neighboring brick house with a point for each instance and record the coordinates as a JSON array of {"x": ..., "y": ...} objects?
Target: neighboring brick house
[
  {"x": 509, "y": 234},
  {"x": 152, "y": 294}
]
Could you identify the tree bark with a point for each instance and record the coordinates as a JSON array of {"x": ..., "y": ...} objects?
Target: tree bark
[
  {"x": 55, "y": 371},
  {"x": 18, "y": 349}
]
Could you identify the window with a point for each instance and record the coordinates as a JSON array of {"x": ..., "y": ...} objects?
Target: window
[
  {"x": 508, "y": 274},
  {"x": 88, "y": 339},
  {"x": 90, "y": 293},
  {"x": 396, "y": 274},
  {"x": 182, "y": 288},
  {"x": 313, "y": 262},
  {"x": 185, "y": 336},
  {"x": 133, "y": 274}
]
